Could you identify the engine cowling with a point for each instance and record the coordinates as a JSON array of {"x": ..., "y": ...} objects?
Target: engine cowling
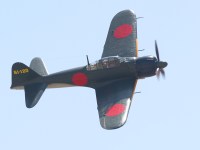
[{"x": 146, "y": 66}]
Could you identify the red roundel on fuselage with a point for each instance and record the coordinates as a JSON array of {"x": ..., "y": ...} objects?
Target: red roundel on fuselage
[
  {"x": 80, "y": 79},
  {"x": 115, "y": 110},
  {"x": 123, "y": 31}
]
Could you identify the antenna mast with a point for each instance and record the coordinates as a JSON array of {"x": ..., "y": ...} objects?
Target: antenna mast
[{"x": 88, "y": 63}]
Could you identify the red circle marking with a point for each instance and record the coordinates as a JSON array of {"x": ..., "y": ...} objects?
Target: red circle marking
[
  {"x": 80, "y": 79},
  {"x": 115, "y": 110},
  {"x": 123, "y": 31}
]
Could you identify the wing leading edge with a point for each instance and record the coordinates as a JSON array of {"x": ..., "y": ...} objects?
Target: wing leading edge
[
  {"x": 114, "y": 100},
  {"x": 122, "y": 36}
]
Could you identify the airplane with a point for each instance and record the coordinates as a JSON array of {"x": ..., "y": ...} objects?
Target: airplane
[{"x": 114, "y": 76}]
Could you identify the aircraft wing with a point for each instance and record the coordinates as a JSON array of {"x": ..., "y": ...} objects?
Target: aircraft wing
[
  {"x": 114, "y": 100},
  {"x": 122, "y": 36}
]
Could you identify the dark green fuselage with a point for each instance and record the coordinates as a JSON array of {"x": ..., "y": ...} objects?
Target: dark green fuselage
[{"x": 132, "y": 68}]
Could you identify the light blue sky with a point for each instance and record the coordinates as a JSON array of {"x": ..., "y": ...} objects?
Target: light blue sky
[{"x": 166, "y": 115}]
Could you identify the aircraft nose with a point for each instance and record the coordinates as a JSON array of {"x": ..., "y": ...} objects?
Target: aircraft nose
[
  {"x": 162, "y": 64},
  {"x": 165, "y": 64}
]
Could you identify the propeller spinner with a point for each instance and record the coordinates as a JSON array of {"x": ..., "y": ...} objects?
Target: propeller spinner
[{"x": 160, "y": 64}]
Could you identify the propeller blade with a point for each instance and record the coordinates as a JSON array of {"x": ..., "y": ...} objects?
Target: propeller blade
[
  {"x": 157, "y": 52},
  {"x": 160, "y": 64},
  {"x": 162, "y": 72},
  {"x": 158, "y": 73}
]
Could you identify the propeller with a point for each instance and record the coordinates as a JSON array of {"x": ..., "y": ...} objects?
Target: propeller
[{"x": 160, "y": 64}]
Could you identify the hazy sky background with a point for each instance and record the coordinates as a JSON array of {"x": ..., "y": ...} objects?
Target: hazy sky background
[{"x": 164, "y": 116}]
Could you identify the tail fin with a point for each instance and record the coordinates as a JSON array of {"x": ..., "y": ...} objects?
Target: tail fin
[
  {"x": 22, "y": 75},
  {"x": 29, "y": 79}
]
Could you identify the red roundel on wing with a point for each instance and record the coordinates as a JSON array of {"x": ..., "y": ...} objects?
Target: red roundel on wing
[
  {"x": 115, "y": 110},
  {"x": 80, "y": 79},
  {"x": 123, "y": 31}
]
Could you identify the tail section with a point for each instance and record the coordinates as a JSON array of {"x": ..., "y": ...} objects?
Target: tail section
[
  {"x": 38, "y": 66},
  {"x": 22, "y": 75},
  {"x": 33, "y": 93},
  {"x": 29, "y": 79}
]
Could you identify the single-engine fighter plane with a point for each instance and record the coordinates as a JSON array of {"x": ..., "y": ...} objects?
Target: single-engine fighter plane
[{"x": 114, "y": 76}]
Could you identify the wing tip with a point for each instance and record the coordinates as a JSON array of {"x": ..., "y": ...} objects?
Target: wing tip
[
  {"x": 111, "y": 126},
  {"x": 125, "y": 13}
]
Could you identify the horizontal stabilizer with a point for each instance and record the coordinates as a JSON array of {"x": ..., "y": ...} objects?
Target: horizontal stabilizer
[
  {"x": 33, "y": 93},
  {"x": 38, "y": 66}
]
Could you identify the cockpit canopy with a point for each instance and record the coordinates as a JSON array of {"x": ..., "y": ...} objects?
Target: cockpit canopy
[{"x": 108, "y": 62}]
